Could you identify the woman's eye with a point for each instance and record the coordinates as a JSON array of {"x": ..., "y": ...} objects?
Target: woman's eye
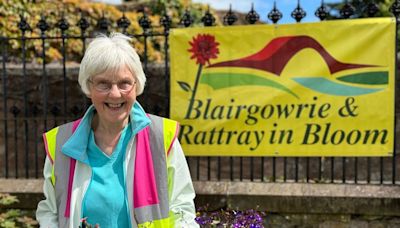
[
  {"x": 102, "y": 85},
  {"x": 125, "y": 85}
]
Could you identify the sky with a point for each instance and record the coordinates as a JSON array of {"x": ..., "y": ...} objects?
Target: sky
[{"x": 262, "y": 7}]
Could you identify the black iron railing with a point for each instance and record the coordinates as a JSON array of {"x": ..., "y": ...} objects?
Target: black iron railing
[{"x": 33, "y": 104}]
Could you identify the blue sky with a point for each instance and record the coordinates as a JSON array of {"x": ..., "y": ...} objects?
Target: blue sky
[{"x": 263, "y": 7}]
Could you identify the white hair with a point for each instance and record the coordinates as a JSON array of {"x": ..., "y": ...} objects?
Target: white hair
[{"x": 110, "y": 53}]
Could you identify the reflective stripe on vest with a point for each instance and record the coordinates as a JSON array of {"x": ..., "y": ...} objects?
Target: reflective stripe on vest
[
  {"x": 151, "y": 182},
  {"x": 49, "y": 139},
  {"x": 161, "y": 223},
  {"x": 63, "y": 168}
]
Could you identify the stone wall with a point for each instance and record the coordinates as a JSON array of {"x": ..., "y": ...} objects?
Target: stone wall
[
  {"x": 307, "y": 205},
  {"x": 285, "y": 204}
]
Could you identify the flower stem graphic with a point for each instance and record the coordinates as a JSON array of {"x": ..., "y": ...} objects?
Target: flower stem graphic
[
  {"x": 203, "y": 48},
  {"x": 194, "y": 92}
]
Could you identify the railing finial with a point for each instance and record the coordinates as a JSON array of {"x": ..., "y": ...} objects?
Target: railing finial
[
  {"x": 395, "y": 9},
  {"x": 63, "y": 23},
  {"x": 42, "y": 24},
  {"x": 298, "y": 13},
  {"x": 166, "y": 20},
  {"x": 83, "y": 22},
  {"x": 372, "y": 9},
  {"x": 230, "y": 18},
  {"x": 347, "y": 11},
  {"x": 322, "y": 12},
  {"x": 103, "y": 23},
  {"x": 123, "y": 22},
  {"x": 186, "y": 19},
  {"x": 275, "y": 15},
  {"x": 252, "y": 16},
  {"x": 144, "y": 21},
  {"x": 23, "y": 25},
  {"x": 208, "y": 19}
]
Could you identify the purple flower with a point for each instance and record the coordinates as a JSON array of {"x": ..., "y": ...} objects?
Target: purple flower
[{"x": 230, "y": 218}]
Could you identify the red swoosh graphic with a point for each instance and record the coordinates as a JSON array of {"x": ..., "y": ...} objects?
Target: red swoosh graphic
[{"x": 275, "y": 55}]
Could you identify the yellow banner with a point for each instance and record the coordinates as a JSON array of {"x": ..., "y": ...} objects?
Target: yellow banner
[{"x": 311, "y": 89}]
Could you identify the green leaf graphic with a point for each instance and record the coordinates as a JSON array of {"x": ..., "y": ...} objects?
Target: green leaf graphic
[
  {"x": 226, "y": 80},
  {"x": 368, "y": 78},
  {"x": 185, "y": 86}
]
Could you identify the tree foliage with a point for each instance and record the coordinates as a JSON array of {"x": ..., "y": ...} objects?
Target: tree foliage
[
  {"x": 11, "y": 12},
  {"x": 360, "y": 8}
]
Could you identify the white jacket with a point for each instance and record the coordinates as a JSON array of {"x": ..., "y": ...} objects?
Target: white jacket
[
  {"x": 181, "y": 198},
  {"x": 180, "y": 202}
]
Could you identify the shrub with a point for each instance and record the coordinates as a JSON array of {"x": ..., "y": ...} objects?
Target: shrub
[
  {"x": 12, "y": 217},
  {"x": 53, "y": 10}
]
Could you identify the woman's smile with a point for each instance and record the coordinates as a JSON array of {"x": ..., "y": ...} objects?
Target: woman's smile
[{"x": 114, "y": 105}]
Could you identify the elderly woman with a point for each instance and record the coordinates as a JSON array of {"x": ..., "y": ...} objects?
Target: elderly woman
[{"x": 117, "y": 166}]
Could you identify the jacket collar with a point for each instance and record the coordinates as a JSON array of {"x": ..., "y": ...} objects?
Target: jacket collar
[{"x": 76, "y": 145}]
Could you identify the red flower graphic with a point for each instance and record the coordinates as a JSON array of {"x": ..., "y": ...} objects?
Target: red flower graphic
[{"x": 204, "y": 48}]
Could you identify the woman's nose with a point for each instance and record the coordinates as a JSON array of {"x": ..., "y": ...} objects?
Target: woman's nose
[{"x": 114, "y": 91}]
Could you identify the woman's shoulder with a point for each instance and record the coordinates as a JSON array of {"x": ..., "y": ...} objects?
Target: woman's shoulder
[
  {"x": 159, "y": 118},
  {"x": 72, "y": 125}
]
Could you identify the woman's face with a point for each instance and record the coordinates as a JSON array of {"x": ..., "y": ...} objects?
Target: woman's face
[{"x": 113, "y": 93}]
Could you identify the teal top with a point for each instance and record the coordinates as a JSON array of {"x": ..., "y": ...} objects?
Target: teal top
[
  {"x": 105, "y": 202},
  {"x": 76, "y": 146}
]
